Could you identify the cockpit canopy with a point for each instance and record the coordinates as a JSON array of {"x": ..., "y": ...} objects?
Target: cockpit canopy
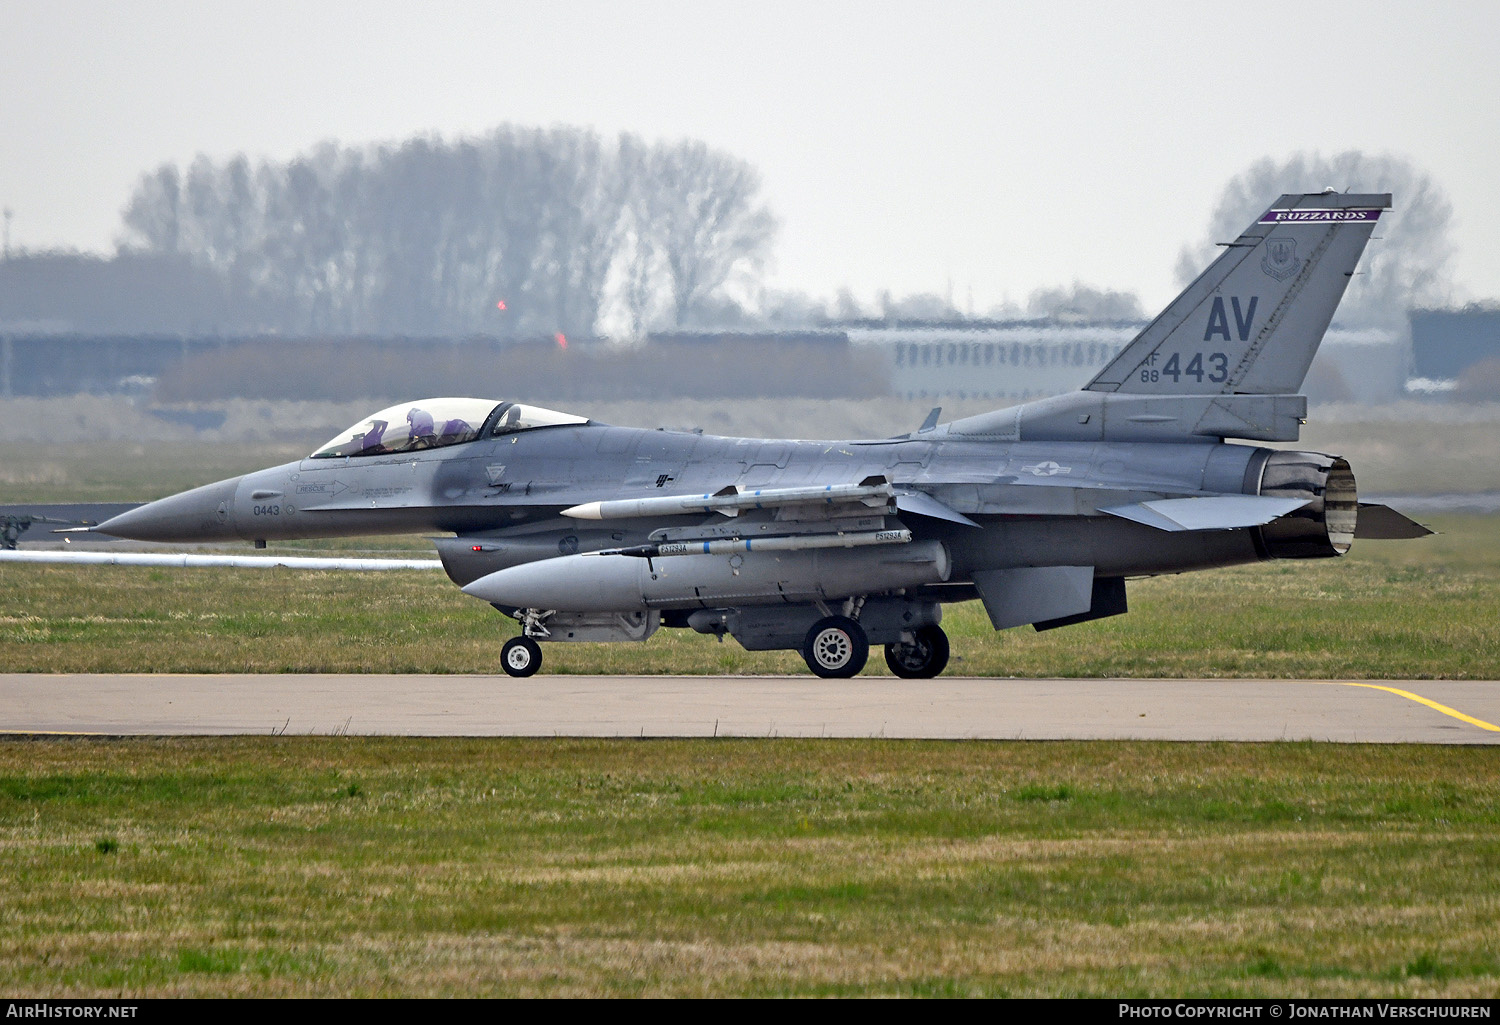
[{"x": 435, "y": 423}]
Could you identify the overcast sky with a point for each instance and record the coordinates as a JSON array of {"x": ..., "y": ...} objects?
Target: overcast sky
[{"x": 992, "y": 148}]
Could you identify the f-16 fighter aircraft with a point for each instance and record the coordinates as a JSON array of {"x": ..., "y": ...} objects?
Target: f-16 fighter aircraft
[{"x": 586, "y": 532}]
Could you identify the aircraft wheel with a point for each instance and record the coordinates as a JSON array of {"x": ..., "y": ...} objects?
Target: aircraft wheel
[
  {"x": 836, "y": 647},
  {"x": 923, "y": 658},
  {"x": 521, "y": 656}
]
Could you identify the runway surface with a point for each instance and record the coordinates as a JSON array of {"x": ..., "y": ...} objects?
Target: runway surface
[{"x": 1422, "y": 711}]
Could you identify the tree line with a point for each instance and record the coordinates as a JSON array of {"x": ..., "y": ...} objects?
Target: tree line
[
  {"x": 1405, "y": 267},
  {"x": 530, "y": 232},
  {"x": 523, "y": 231}
]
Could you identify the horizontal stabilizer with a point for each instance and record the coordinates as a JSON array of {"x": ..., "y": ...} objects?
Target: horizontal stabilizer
[
  {"x": 1382, "y": 523},
  {"x": 1218, "y": 512}
]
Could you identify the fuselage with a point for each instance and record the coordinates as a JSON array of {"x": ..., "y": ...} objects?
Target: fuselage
[{"x": 1030, "y": 500}]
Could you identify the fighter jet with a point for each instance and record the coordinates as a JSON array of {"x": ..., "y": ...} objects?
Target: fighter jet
[{"x": 583, "y": 531}]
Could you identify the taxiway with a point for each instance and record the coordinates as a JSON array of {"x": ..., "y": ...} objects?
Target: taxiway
[{"x": 1365, "y": 711}]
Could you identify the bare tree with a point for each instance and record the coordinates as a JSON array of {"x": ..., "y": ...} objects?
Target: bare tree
[
  {"x": 429, "y": 236},
  {"x": 639, "y": 268},
  {"x": 151, "y": 216},
  {"x": 699, "y": 213}
]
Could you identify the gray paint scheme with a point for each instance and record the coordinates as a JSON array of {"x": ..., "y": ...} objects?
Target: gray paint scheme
[
  {"x": 1295, "y": 272},
  {"x": 1040, "y": 510},
  {"x": 1030, "y": 594}
]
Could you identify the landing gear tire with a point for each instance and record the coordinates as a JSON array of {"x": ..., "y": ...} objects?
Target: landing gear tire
[
  {"x": 836, "y": 647},
  {"x": 923, "y": 658},
  {"x": 521, "y": 656}
]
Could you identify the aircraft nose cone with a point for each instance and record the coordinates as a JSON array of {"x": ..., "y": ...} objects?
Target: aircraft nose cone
[{"x": 202, "y": 514}]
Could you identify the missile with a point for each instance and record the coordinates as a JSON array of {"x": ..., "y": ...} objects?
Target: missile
[
  {"x": 795, "y": 543},
  {"x": 732, "y": 501}
]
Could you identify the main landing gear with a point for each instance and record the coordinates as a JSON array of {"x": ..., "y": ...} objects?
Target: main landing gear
[
  {"x": 837, "y": 648},
  {"x": 923, "y": 658}
]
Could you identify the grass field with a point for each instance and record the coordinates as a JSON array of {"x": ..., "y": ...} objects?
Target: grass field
[
  {"x": 349, "y": 866},
  {"x": 1390, "y": 609}
]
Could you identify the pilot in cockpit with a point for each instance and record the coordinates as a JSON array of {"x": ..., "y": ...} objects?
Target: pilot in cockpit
[{"x": 421, "y": 428}]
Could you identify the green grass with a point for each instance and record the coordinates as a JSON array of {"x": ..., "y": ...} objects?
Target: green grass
[
  {"x": 1389, "y": 610},
  {"x": 121, "y": 471},
  {"x": 360, "y": 866}
]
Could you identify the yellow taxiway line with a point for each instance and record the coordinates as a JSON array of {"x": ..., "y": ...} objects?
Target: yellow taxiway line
[{"x": 1419, "y": 699}]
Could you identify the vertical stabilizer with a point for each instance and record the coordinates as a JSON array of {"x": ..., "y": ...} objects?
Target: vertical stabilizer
[{"x": 1252, "y": 321}]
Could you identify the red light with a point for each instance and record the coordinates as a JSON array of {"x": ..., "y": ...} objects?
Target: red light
[
  {"x": 562, "y": 340},
  {"x": 476, "y": 548},
  {"x": 500, "y": 305}
]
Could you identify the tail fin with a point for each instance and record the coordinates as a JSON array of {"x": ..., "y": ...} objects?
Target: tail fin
[{"x": 1251, "y": 323}]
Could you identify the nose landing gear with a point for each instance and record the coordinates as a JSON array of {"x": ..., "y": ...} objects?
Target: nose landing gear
[{"x": 521, "y": 656}]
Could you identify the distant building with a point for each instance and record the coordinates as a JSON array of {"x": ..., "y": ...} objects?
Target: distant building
[
  {"x": 997, "y": 361},
  {"x": 131, "y": 294},
  {"x": 1013, "y": 361},
  {"x": 1445, "y": 343},
  {"x": 1368, "y": 365},
  {"x": 1000, "y": 360}
]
